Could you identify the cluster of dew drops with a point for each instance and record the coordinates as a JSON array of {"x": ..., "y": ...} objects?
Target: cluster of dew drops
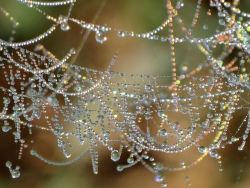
[{"x": 240, "y": 38}]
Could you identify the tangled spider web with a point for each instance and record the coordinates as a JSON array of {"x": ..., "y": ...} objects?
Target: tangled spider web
[{"x": 141, "y": 114}]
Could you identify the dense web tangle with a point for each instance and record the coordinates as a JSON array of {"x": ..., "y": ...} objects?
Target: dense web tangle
[{"x": 139, "y": 113}]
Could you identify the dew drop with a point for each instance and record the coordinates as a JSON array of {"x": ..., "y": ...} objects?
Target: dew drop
[
  {"x": 214, "y": 154},
  {"x": 163, "y": 132},
  {"x": 64, "y": 25},
  {"x": 119, "y": 168},
  {"x": 115, "y": 155},
  {"x": 222, "y": 22},
  {"x": 30, "y": 5},
  {"x": 164, "y": 185},
  {"x": 121, "y": 34},
  {"x": 159, "y": 178},
  {"x": 52, "y": 101},
  {"x": 202, "y": 149},
  {"x": 6, "y": 128},
  {"x": 14, "y": 172},
  {"x": 72, "y": 51},
  {"x": 179, "y": 4},
  {"x": 130, "y": 160},
  {"x": 100, "y": 37}
]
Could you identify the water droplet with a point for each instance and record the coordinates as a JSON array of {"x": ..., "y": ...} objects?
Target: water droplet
[
  {"x": 214, "y": 154},
  {"x": 202, "y": 149},
  {"x": 8, "y": 164},
  {"x": 159, "y": 178},
  {"x": 119, "y": 168},
  {"x": 36, "y": 113},
  {"x": 241, "y": 147},
  {"x": 33, "y": 152},
  {"x": 6, "y": 128},
  {"x": 130, "y": 160},
  {"x": 106, "y": 135},
  {"x": 163, "y": 132},
  {"x": 115, "y": 155},
  {"x": 100, "y": 37},
  {"x": 73, "y": 51},
  {"x": 15, "y": 173},
  {"x": 30, "y": 5},
  {"x": 121, "y": 34},
  {"x": 184, "y": 69},
  {"x": 52, "y": 101},
  {"x": 66, "y": 153},
  {"x": 164, "y": 185},
  {"x": 183, "y": 164},
  {"x": 64, "y": 25},
  {"x": 222, "y": 22},
  {"x": 179, "y": 4}
]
